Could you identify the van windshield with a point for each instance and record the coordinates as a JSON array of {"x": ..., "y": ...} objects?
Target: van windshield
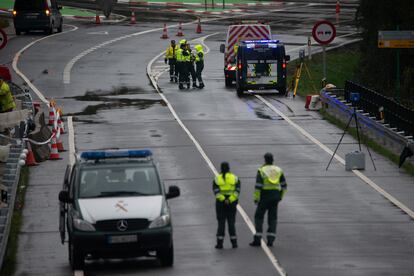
[
  {"x": 29, "y": 5},
  {"x": 118, "y": 181}
]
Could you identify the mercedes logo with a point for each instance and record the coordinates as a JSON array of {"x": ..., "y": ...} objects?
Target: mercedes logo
[{"x": 122, "y": 225}]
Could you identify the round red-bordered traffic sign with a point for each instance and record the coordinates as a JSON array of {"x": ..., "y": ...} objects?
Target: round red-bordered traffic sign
[
  {"x": 324, "y": 32},
  {"x": 3, "y": 39}
]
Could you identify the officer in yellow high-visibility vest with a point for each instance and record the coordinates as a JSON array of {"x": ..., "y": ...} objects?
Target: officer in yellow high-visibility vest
[
  {"x": 171, "y": 57},
  {"x": 179, "y": 67},
  {"x": 199, "y": 60},
  {"x": 7, "y": 103},
  {"x": 270, "y": 188},
  {"x": 226, "y": 187}
]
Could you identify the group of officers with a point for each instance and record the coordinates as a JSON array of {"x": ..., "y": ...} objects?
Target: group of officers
[
  {"x": 270, "y": 189},
  {"x": 181, "y": 60}
]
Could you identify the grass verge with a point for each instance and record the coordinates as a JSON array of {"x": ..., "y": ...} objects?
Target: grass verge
[
  {"x": 341, "y": 65},
  {"x": 9, "y": 262},
  {"x": 369, "y": 142}
]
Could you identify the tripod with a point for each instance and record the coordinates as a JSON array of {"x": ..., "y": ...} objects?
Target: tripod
[{"x": 353, "y": 115}]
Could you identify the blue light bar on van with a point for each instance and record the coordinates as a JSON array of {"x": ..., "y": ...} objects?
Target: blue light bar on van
[
  {"x": 94, "y": 155},
  {"x": 261, "y": 41}
]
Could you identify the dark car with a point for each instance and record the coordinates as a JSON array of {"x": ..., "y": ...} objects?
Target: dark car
[{"x": 37, "y": 15}]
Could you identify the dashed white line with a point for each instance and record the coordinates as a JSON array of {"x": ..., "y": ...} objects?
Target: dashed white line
[
  {"x": 18, "y": 54},
  {"x": 240, "y": 209}
]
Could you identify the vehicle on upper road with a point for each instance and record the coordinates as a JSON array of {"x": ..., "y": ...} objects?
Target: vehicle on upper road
[
  {"x": 261, "y": 65},
  {"x": 236, "y": 33},
  {"x": 37, "y": 15},
  {"x": 114, "y": 205}
]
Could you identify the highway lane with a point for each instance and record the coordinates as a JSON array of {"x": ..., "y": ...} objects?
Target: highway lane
[{"x": 325, "y": 229}]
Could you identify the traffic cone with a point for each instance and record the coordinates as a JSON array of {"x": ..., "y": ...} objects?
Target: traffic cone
[
  {"x": 164, "y": 32},
  {"x": 133, "y": 19},
  {"x": 198, "y": 29},
  {"x": 97, "y": 19},
  {"x": 60, "y": 123},
  {"x": 180, "y": 30},
  {"x": 337, "y": 7},
  {"x": 30, "y": 159},
  {"x": 54, "y": 153},
  {"x": 51, "y": 115},
  {"x": 59, "y": 144}
]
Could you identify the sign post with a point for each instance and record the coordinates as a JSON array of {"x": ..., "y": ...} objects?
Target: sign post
[
  {"x": 3, "y": 39},
  {"x": 324, "y": 32},
  {"x": 397, "y": 40}
]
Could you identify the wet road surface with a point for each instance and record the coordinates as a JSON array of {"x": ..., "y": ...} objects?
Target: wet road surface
[{"x": 331, "y": 223}]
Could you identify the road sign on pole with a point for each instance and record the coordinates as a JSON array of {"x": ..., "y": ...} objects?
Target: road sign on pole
[
  {"x": 395, "y": 39},
  {"x": 3, "y": 39},
  {"x": 324, "y": 32}
]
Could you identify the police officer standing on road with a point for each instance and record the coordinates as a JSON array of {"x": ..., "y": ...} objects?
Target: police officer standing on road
[
  {"x": 170, "y": 55},
  {"x": 187, "y": 64},
  {"x": 180, "y": 63},
  {"x": 191, "y": 66},
  {"x": 7, "y": 103},
  {"x": 199, "y": 60},
  {"x": 269, "y": 190},
  {"x": 226, "y": 187}
]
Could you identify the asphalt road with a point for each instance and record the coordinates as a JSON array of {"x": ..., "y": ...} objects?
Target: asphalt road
[{"x": 330, "y": 223}]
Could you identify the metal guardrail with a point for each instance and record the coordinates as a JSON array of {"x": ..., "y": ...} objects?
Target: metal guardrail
[{"x": 383, "y": 108}]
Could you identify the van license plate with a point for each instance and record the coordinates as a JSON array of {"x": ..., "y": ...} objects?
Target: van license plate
[
  {"x": 31, "y": 16},
  {"x": 123, "y": 239}
]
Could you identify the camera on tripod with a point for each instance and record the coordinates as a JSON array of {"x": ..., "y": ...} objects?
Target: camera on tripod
[
  {"x": 302, "y": 55},
  {"x": 354, "y": 97}
]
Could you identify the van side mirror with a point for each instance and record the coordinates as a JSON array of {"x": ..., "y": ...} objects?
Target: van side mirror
[
  {"x": 64, "y": 197},
  {"x": 287, "y": 57},
  {"x": 173, "y": 191},
  {"x": 222, "y": 48}
]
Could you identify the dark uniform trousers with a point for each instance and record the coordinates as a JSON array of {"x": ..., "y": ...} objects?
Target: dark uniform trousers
[
  {"x": 192, "y": 71},
  {"x": 269, "y": 201},
  {"x": 199, "y": 70},
  {"x": 226, "y": 212},
  {"x": 173, "y": 70}
]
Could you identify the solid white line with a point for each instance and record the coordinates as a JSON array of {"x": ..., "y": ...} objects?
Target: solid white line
[
  {"x": 71, "y": 141},
  {"x": 17, "y": 56},
  {"x": 244, "y": 215},
  {"x": 363, "y": 177}
]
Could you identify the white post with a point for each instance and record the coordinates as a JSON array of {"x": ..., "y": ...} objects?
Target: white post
[{"x": 309, "y": 48}]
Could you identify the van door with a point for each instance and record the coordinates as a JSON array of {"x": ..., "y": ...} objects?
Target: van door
[{"x": 63, "y": 208}]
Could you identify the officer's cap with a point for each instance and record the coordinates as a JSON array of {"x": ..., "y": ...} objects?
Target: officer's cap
[{"x": 183, "y": 41}]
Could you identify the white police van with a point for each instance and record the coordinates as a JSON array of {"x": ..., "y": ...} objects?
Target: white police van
[{"x": 114, "y": 205}]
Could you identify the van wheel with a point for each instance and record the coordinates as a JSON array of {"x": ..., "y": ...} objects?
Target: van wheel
[
  {"x": 76, "y": 258},
  {"x": 166, "y": 256},
  {"x": 18, "y": 32},
  {"x": 49, "y": 31},
  {"x": 59, "y": 29},
  {"x": 229, "y": 82}
]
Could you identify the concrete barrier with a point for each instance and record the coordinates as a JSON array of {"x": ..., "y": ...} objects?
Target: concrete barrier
[{"x": 380, "y": 133}]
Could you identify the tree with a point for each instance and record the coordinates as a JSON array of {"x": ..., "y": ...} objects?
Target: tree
[{"x": 378, "y": 66}]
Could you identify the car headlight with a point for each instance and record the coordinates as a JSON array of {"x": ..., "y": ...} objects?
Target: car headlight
[
  {"x": 161, "y": 221},
  {"x": 83, "y": 225}
]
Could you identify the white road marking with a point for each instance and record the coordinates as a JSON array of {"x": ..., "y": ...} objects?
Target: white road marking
[
  {"x": 244, "y": 215},
  {"x": 78, "y": 273},
  {"x": 363, "y": 177},
  {"x": 71, "y": 141},
  {"x": 18, "y": 54}
]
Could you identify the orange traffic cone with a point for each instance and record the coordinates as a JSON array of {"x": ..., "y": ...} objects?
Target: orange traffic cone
[
  {"x": 337, "y": 7},
  {"x": 30, "y": 159},
  {"x": 97, "y": 18},
  {"x": 59, "y": 144},
  {"x": 164, "y": 32},
  {"x": 51, "y": 115},
  {"x": 180, "y": 30},
  {"x": 54, "y": 153},
  {"x": 133, "y": 19},
  {"x": 198, "y": 30}
]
